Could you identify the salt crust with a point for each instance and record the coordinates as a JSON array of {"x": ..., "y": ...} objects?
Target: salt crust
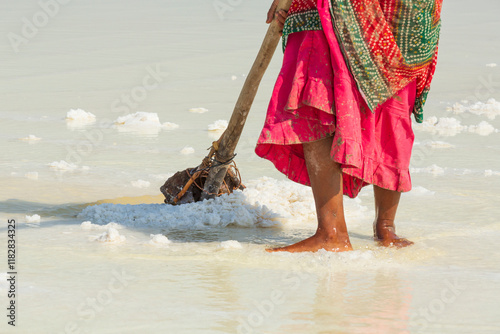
[{"x": 285, "y": 203}]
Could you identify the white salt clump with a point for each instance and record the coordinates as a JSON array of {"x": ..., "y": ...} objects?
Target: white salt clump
[
  {"x": 484, "y": 128},
  {"x": 219, "y": 125},
  {"x": 187, "y": 150},
  {"x": 142, "y": 122},
  {"x": 87, "y": 225},
  {"x": 31, "y": 175},
  {"x": 159, "y": 239},
  {"x": 458, "y": 108},
  {"x": 445, "y": 126},
  {"x": 230, "y": 244},
  {"x": 198, "y": 110},
  {"x": 490, "y": 109},
  {"x": 33, "y": 219},
  {"x": 169, "y": 126},
  {"x": 139, "y": 119},
  {"x": 62, "y": 165},
  {"x": 141, "y": 184},
  {"x": 31, "y": 138},
  {"x": 491, "y": 65},
  {"x": 79, "y": 118},
  {"x": 234, "y": 77},
  {"x": 111, "y": 236}
]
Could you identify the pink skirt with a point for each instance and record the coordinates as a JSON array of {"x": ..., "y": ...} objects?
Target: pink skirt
[{"x": 315, "y": 97}]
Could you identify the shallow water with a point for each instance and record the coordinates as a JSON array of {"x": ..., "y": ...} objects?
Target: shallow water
[{"x": 123, "y": 278}]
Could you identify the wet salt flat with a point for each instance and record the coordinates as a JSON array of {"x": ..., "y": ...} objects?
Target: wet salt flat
[{"x": 104, "y": 101}]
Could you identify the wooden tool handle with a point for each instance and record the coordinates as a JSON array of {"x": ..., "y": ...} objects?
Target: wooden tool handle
[{"x": 230, "y": 138}]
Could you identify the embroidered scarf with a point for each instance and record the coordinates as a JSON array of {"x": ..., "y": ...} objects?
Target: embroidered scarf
[{"x": 386, "y": 43}]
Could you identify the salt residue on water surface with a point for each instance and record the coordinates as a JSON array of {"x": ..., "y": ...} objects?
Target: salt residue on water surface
[
  {"x": 435, "y": 144},
  {"x": 187, "y": 150},
  {"x": 449, "y": 126},
  {"x": 31, "y": 138},
  {"x": 142, "y": 122},
  {"x": 140, "y": 184},
  {"x": 64, "y": 166},
  {"x": 490, "y": 109},
  {"x": 76, "y": 118},
  {"x": 31, "y": 176},
  {"x": 490, "y": 172},
  {"x": 420, "y": 191},
  {"x": 199, "y": 110},
  {"x": 433, "y": 169},
  {"x": 265, "y": 202}
]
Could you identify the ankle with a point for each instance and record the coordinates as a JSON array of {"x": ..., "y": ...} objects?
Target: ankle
[
  {"x": 382, "y": 226},
  {"x": 331, "y": 234}
]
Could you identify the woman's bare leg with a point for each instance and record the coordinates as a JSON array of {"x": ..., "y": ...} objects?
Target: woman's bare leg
[
  {"x": 326, "y": 183},
  {"x": 386, "y": 205}
]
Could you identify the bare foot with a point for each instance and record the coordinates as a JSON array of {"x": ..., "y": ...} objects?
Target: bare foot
[
  {"x": 385, "y": 233},
  {"x": 315, "y": 243}
]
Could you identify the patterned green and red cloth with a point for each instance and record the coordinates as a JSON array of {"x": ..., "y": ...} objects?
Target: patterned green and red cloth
[{"x": 387, "y": 44}]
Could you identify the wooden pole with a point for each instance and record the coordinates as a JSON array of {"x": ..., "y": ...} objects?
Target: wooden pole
[{"x": 231, "y": 136}]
